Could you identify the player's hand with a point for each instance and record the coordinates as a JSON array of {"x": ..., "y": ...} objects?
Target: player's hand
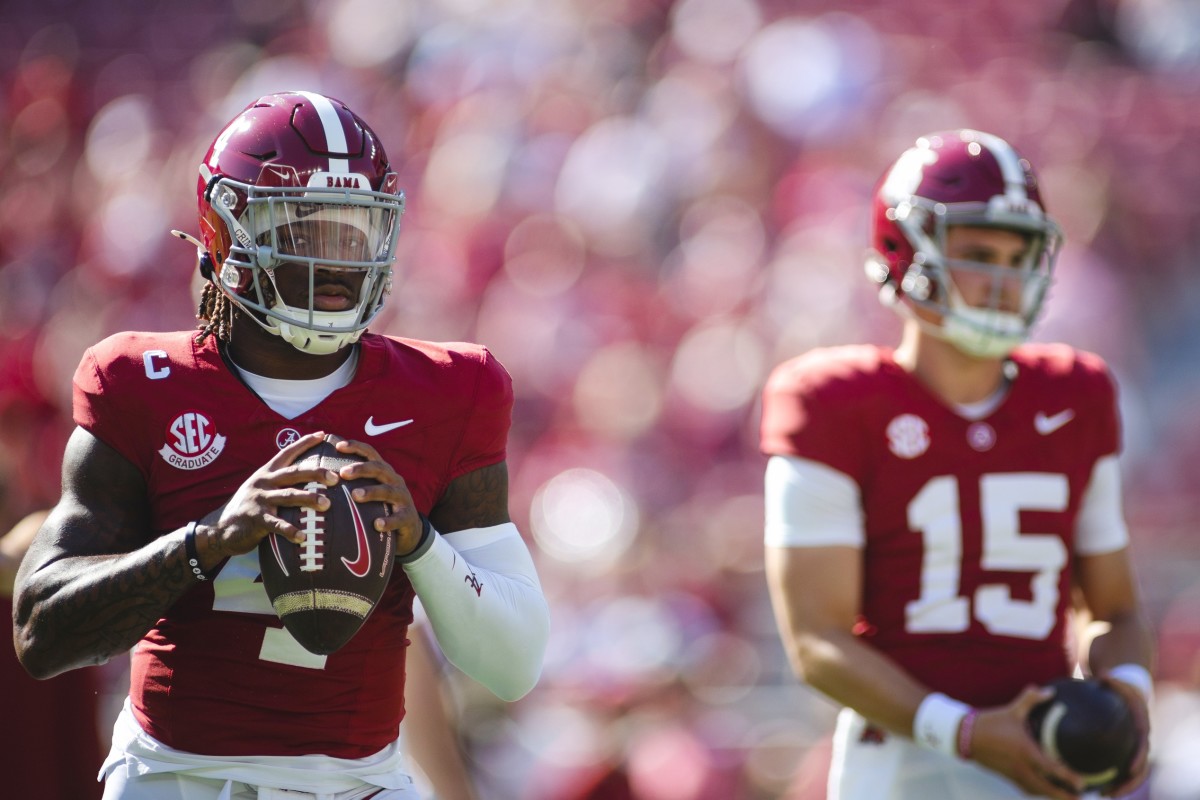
[
  {"x": 390, "y": 488},
  {"x": 1002, "y": 743},
  {"x": 1139, "y": 768},
  {"x": 253, "y": 511}
]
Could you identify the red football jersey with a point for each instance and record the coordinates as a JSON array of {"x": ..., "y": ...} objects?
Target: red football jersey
[
  {"x": 218, "y": 674},
  {"x": 969, "y": 524}
]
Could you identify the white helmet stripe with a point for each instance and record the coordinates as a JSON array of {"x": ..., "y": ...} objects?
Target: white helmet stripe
[
  {"x": 335, "y": 135},
  {"x": 1010, "y": 164}
]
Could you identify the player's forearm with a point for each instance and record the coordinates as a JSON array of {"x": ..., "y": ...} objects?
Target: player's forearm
[
  {"x": 81, "y": 611},
  {"x": 843, "y": 668},
  {"x": 1124, "y": 639},
  {"x": 486, "y": 607}
]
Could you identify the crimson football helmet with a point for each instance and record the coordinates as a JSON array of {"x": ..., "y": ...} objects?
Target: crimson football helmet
[
  {"x": 299, "y": 178},
  {"x": 961, "y": 177}
]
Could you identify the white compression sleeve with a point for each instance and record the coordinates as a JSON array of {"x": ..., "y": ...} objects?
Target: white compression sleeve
[{"x": 481, "y": 593}]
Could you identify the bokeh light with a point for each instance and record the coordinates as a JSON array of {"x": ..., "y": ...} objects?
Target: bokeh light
[{"x": 582, "y": 517}]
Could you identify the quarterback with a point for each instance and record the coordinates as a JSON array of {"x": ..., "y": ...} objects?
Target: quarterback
[
  {"x": 932, "y": 509},
  {"x": 184, "y": 452}
]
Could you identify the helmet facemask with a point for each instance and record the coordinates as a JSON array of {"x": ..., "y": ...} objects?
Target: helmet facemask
[
  {"x": 990, "y": 329},
  {"x": 311, "y": 228}
]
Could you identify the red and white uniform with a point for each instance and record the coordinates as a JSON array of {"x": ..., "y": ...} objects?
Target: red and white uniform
[
  {"x": 968, "y": 527},
  {"x": 218, "y": 674}
]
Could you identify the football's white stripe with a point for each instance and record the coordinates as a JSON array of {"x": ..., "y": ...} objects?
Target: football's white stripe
[{"x": 335, "y": 135}]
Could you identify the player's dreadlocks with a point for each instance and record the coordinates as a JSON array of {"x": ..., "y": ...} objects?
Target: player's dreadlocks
[{"x": 215, "y": 314}]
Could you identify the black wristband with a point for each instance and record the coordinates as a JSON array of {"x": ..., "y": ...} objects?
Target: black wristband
[
  {"x": 193, "y": 555},
  {"x": 424, "y": 544}
]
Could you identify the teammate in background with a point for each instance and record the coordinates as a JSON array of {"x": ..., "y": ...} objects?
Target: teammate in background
[
  {"x": 54, "y": 716},
  {"x": 430, "y": 729},
  {"x": 929, "y": 509},
  {"x": 183, "y": 452}
]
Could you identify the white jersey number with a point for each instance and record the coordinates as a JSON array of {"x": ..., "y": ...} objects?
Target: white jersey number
[
  {"x": 237, "y": 589},
  {"x": 936, "y": 514}
]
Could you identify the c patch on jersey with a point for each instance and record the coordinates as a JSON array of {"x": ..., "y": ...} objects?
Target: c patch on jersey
[
  {"x": 192, "y": 441},
  {"x": 908, "y": 436}
]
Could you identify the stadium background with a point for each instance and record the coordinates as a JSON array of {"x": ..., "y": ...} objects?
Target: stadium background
[{"x": 640, "y": 206}]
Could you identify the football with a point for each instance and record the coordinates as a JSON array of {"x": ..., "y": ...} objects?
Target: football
[
  {"x": 325, "y": 588},
  {"x": 1088, "y": 727}
]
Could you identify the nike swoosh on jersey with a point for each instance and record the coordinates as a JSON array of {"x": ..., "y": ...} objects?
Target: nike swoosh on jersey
[
  {"x": 374, "y": 430},
  {"x": 1049, "y": 424},
  {"x": 361, "y": 564}
]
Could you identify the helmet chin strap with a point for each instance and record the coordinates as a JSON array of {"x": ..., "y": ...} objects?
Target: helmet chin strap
[
  {"x": 984, "y": 333},
  {"x": 312, "y": 340},
  {"x": 978, "y": 332}
]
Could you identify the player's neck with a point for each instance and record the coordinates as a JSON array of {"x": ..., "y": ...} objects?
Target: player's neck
[
  {"x": 952, "y": 375},
  {"x": 262, "y": 353}
]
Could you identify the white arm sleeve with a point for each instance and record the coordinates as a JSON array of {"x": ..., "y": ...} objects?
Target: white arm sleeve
[
  {"x": 809, "y": 504},
  {"x": 484, "y": 602},
  {"x": 1100, "y": 526}
]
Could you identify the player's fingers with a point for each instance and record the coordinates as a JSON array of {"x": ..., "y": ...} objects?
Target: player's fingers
[
  {"x": 275, "y": 525},
  {"x": 1139, "y": 770},
  {"x": 295, "y": 497},
  {"x": 361, "y": 448},
  {"x": 1029, "y": 697},
  {"x": 1139, "y": 764},
  {"x": 298, "y": 475},
  {"x": 378, "y": 471},
  {"x": 1129, "y": 786},
  {"x": 402, "y": 517},
  {"x": 1042, "y": 783},
  {"x": 407, "y": 526},
  {"x": 396, "y": 495},
  {"x": 1056, "y": 775}
]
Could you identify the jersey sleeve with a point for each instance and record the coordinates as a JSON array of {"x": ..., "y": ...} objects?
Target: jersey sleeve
[
  {"x": 489, "y": 416},
  {"x": 1100, "y": 526},
  {"x": 96, "y": 405},
  {"x": 810, "y": 414},
  {"x": 810, "y": 505},
  {"x": 1103, "y": 390}
]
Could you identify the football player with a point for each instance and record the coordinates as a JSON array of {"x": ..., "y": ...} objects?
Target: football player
[
  {"x": 183, "y": 454},
  {"x": 931, "y": 508}
]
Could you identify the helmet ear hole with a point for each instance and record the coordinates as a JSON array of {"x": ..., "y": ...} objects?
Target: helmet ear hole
[{"x": 206, "y": 266}]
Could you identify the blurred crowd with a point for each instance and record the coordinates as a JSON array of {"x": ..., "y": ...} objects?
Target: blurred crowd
[{"x": 640, "y": 206}]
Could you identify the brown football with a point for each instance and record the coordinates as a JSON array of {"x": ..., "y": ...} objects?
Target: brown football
[{"x": 325, "y": 588}]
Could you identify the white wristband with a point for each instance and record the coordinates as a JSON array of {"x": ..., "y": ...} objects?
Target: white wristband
[
  {"x": 1136, "y": 676},
  {"x": 936, "y": 723}
]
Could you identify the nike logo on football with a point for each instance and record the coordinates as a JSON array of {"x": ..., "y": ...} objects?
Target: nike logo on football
[
  {"x": 361, "y": 564},
  {"x": 374, "y": 430},
  {"x": 1049, "y": 424}
]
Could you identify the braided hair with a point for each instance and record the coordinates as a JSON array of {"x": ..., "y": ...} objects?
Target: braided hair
[{"x": 215, "y": 314}]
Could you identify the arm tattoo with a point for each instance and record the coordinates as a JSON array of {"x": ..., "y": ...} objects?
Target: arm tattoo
[
  {"x": 478, "y": 499},
  {"x": 95, "y": 579},
  {"x": 94, "y": 607}
]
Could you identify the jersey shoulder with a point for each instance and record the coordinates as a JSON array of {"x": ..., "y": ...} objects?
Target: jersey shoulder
[
  {"x": 1060, "y": 369},
  {"x": 124, "y": 362},
  {"x": 441, "y": 368},
  {"x": 811, "y": 403},
  {"x": 133, "y": 349},
  {"x": 834, "y": 373}
]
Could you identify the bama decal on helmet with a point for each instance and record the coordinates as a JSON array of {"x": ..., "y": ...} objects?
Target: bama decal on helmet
[
  {"x": 192, "y": 442},
  {"x": 346, "y": 180}
]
